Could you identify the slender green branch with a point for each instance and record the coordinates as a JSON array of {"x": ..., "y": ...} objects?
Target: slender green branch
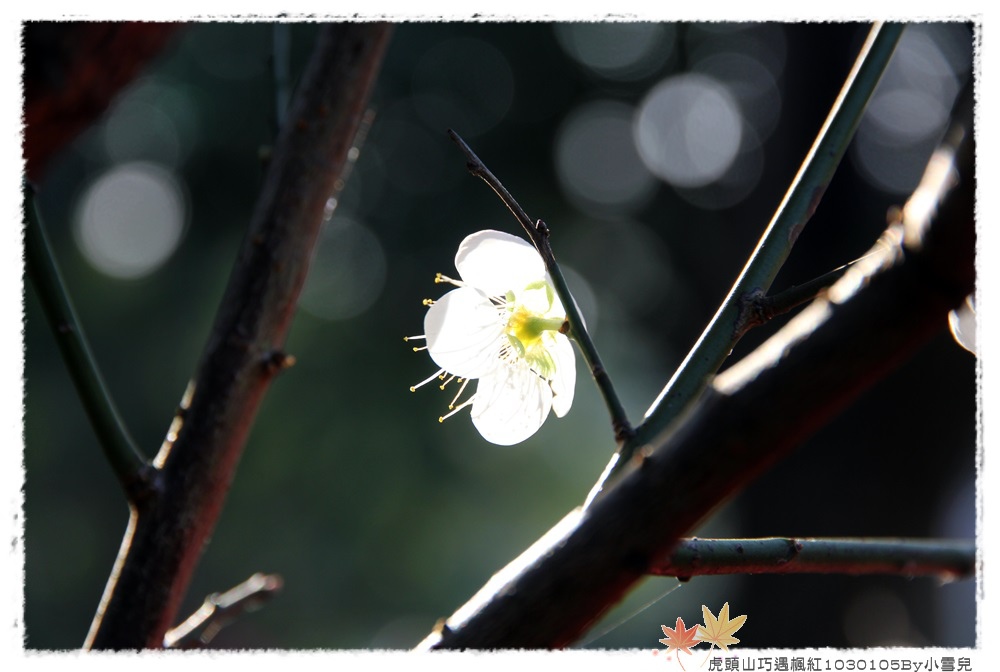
[
  {"x": 218, "y": 611},
  {"x": 129, "y": 465},
  {"x": 538, "y": 233},
  {"x": 944, "y": 558},
  {"x": 804, "y": 194}
]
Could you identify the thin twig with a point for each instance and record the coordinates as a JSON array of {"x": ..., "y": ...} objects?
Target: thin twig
[
  {"x": 726, "y": 327},
  {"x": 128, "y": 463},
  {"x": 765, "y": 308},
  {"x": 219, "y": 610},
  {"x": 944, "y": 558},
  {"x": 538, "y": 233}
]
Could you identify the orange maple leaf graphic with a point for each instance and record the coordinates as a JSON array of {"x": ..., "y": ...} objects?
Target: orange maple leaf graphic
[
  {"x": 719, "y": 631},
  {"x": 679, "y": 638}
]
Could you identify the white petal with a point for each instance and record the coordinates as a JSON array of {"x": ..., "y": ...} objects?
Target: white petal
[
  {"x": 464, "y": 332},
  {"x": 563, "y": 383},
  {"x": 496, "y": 262},
  {"x": 511, "y": 403},
  {"x": 963, "y": 324}
]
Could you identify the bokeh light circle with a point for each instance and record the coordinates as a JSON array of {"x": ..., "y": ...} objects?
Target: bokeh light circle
[
  {"x": 131, "y": 219},
  {"x": 742, "y": 177},
  {"x": 154, "y": 120},
  {"x": 910, "y": 108},
  {"x": 596, "y": 159},
  {"x": 688, "y": 130},
  {"x": 752, "y": 85}
]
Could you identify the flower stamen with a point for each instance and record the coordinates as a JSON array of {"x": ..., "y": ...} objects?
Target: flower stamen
[
  {"x": 464, "y": 382},
  {"x": 438, "y": 375},
  {"x": 440, "y": 278},
  {"x": 457, "y": 408}
]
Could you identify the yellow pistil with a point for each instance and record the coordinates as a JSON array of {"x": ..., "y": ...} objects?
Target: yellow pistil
[{"x": 528, "y": 327}]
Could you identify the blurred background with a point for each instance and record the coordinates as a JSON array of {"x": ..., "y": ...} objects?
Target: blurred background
[{"x": 657, "y": 154}]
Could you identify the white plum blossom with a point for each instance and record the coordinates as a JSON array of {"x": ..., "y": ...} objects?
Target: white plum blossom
[{"x": 502, "y": 325}]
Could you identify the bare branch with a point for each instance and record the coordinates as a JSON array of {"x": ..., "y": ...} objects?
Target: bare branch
[
  {"x": 198, "y": 459},
  {"x": 942, "y": 558}
]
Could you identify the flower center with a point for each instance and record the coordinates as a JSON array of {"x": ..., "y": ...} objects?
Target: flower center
[{"x": 525, "y": 329}]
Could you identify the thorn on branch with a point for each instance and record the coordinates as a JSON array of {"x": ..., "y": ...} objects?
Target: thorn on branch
[{"x": 277, "y": 360}]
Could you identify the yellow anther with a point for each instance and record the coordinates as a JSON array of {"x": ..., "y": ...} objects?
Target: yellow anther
[{"x": 440, "y": 278}]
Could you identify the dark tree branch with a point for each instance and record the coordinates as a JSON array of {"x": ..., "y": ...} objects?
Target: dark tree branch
[
  {"x": 753, "y": 415},
  {"x": 165, "y": 536},
  {"x": 942, "y": 558}
]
